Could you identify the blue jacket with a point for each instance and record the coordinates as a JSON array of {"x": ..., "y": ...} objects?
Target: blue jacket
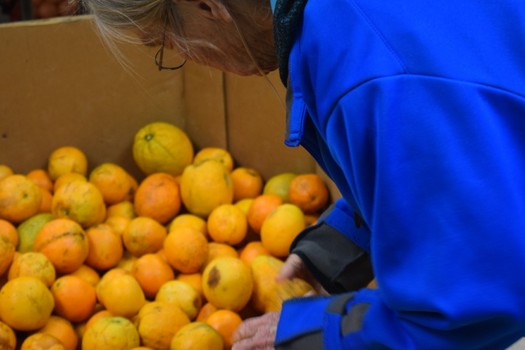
[{"x": 416, "y": 110}]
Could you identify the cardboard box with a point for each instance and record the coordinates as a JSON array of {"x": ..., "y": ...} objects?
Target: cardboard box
[{"x": 61, "y": 86}]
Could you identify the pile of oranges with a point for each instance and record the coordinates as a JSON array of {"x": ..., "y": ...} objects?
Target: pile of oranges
[{"x": 94, "y": 258}]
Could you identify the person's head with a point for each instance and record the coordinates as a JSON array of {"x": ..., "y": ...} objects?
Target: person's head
[{"x": 231, "y": 35}]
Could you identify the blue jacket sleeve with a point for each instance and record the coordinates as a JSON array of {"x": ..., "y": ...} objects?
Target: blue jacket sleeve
[{"x": 437, "y": 169}]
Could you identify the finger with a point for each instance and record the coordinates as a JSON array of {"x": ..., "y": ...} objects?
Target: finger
[
  {"x": 291, "y": 268},
  {"x": 247, "y": 329}
]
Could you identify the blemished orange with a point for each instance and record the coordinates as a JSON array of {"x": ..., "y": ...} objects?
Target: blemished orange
[
  {"x": 19, "y": 198},
  {"x": 252, "y": 250},
  {"x": 105, "y": 247},
  {"x": 260, "y": 208},
  {"x": 7, "y": 254},
  {"x": 26, "y": 303},
  {"x": 186, "y": 249},
  {"x": 112, "y": 180},
  {"x": 197, "y": 335},
  {"x": 8, "y": 338},
  {"x": 143, "y": 235},
  {"x": 205, "y": 311},
  {"x": 88, "y": 274},
  {"x": 75, "y": 298},
  {"x": 226, "y": 323},
  {"x": 66, "y": 178},
  {"x": 65, "y": 244},
  {"x": 158, "y": 322},
  {"x": 227, "y": 223},
  {"x": 67, "y": 159},
  {"x": 217, "y": 250},
  {"x": 8, "y": 230},
  {"x": 182, "y": 294},
  {"x": 204, "y": 186},
  {"x": 190, "y": 220},
  {"x": 162, "y": 147},
  {"x": 123, "y": 296},
  {"x": 281, "y": 227},
  {"x": 151, "y": 271},
  {"x": 5, "y": 171},
  {"x": 227, "y": 283},
  {"x": 114, "y": 332},
  {"x": 217, "y": 153},
  {"x": 123, "y": 208},
  {"x": 63, "y": 330},
  {"x": 80, "y": 201},
  {"x": 38, "y": 341},
  {"x": 41, "y": 178},
  {"x": 309, "y": 192},
  {"x": 158, "y": 197},
  {"x": 33, "y": 264},
  {"x": 247, "y": 183}
]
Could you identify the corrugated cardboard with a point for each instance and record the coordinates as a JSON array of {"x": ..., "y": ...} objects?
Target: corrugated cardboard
[{"x": 61, "y": 86}]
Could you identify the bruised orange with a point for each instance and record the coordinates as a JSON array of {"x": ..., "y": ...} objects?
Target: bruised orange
[{"x": 158, "y": 197}]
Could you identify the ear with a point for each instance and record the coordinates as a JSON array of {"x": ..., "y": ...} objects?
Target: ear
[{"x": 213, "y": 9}]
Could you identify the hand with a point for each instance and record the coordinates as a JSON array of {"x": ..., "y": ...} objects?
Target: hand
[
  {"x": 257, "y": 333},
  {"x": 294, "y": 267}
]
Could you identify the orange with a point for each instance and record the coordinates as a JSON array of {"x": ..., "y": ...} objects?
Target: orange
[
  {"x": 217, "y": 250},
  {"x": 88, "y": 274},
  {"x": 46, "y": 203},
  {"x": 247, "y": 183},
  {"x": 206, "y": 310},
  {"x": 158, "y": 197},
  {"x": 33, "y": 264},
  {"x": 143, "y": 235},
  {"x": 182, "y": 294},
  {"x": 80, "y": 201},
  {"x": 75, "y": 298},
  {"x": 193, "y": 279},
  {"x": 112, "y": 181},
  {"x": 190, "y": 220},
  {"x": 162, "y": 147},
  {"x": 8, "y": 230},
  {"x": 227, "y": 283},
  {"x": 186, "y": 249},
  {"x": 124, "y": 208},
  {"x": 279, "y": 184},
  {"x": 67, "y": 159},
  {"x": 42, "y": 341},
  {"x": 41, "y": 178},
  {"x": 226, "y": 323},
  {"x": 28, "y": 230},
  {"x": 7, "y": 253},
  {"x": 197, "y": 335},
  {"x": 260, "y": 208},
  {"x": 25, "y": 303},
  {"x": 281, "y": 227},
  {"x": 157, "y": 323},
  {"x": 204, "y": 186},
  {"x": 63, "y": 330},
  {"x": 96, "y": 316},
  {"x": 7, "y": 337},
  {"x": 65, "y": 244},
  {"x": 105, "y": 247},
  {"x": 215, "y": 153},
  {"x": 19, "y": 198},
  {"x": 106, "y": 278},
  {"x": 66, "y": 178},
  {"x": 151, "y": 271},
  {"x": 114, "y": 332},
  {"x": 227, "y": 224},
  {"x": 5, "y": 171},
  {"x": 122, "y": 296},
  {"x": 309, "y": 192},
  {"x": 252, "y": 250}
]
